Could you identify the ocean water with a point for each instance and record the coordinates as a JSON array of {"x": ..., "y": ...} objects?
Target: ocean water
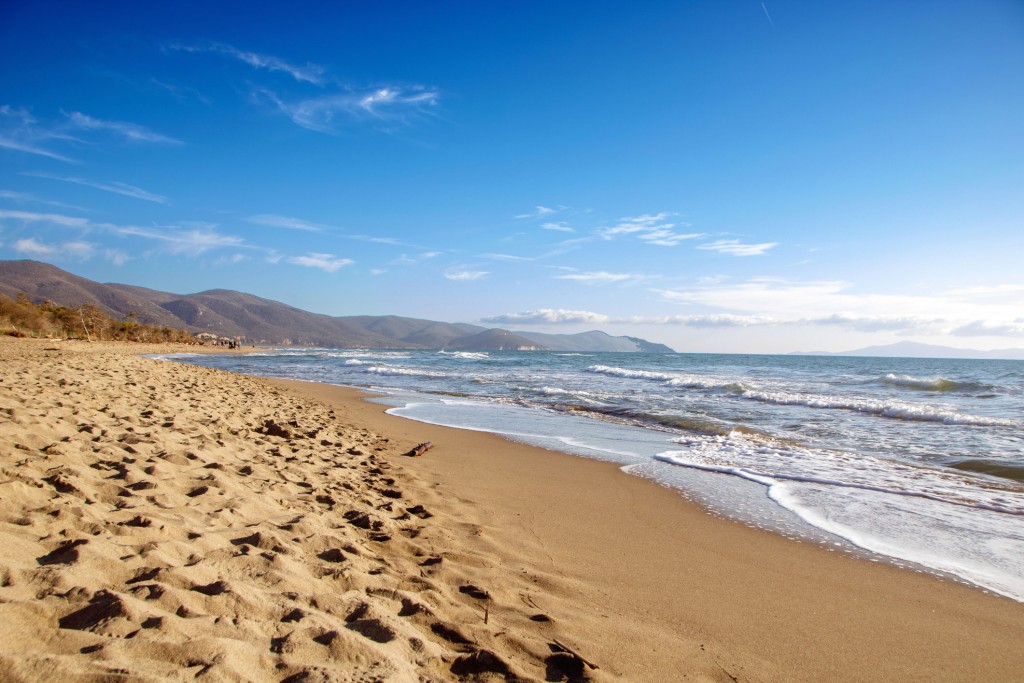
[{"x": 919, "y": 461}]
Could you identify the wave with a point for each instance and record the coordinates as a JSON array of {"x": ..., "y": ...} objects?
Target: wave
[
  {"x": 949, "y": 521},
  {"x": 468, "y": 355},
  {"x": 403, "y": 372},
  {"x": 992, "y": 468},
  {"x": 879, "y": 408},
  {"x": 768, "y": 462},
  {"x": 939, "y": 384},
  {"x": 900, "y": 410},
  {"x": 355, "y": 361},
  {"x": 673, "y": 379}
]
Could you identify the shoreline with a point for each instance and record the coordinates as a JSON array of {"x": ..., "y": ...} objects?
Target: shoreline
[
  {"x": 163, "y": 516},
  {"x": 751, "y": 584}
]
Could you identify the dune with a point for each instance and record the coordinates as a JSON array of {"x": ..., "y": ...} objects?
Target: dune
[{"x": 161, "y": 521}]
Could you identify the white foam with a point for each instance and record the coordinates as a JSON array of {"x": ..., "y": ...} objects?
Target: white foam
[
  {"x": 950, "y": 521},
  {"x": 399, "y": 372},
  {"x": 467, "y": 355},
  {"x": 902, "y": 410}
]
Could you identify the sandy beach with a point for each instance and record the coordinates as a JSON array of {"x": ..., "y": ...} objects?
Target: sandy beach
[{"x": 161, "y": 521}]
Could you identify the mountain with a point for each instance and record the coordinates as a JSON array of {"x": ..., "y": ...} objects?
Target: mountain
[
  {"x": 594, "y": 341},
  {"x": 908, "y": 349},
  {"x": 229, "y": 313}
]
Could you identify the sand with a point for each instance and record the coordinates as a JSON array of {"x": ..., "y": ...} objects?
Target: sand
[{"x": 161, "y": 521}]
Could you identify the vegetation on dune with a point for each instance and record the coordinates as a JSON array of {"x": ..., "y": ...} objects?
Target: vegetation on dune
[{"x": 23, "y": 318}]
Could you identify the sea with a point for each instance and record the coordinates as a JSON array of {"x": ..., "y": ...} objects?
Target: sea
[{"x": 918, "y": 462}]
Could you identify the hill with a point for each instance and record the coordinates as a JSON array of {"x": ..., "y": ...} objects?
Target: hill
[{"x": 264, "y": 321}]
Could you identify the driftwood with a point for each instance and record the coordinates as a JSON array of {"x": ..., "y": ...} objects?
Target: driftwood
[
  {"x": 420, "y": 450},
  {"x": 577, "y": 655}
]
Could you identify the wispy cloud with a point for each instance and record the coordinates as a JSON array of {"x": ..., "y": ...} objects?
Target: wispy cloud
[
  {"x": 548, "y": 316},
  {"x": 115, "y": 187},
  {"x": 129, "y": 131},
  {"x": 76, "y": 249},
  {"x": 271, "y": 220},
  {"x": 462, "y": 275},
  {"x": 328, "y": 263},
  {"x": 53, "y": 218},
  {"x": 27, "y": 148},
  {"x": 601, "y": 277},
  {"x": 190, "y": 241},
  {"x": 737, "y": 248},
  {"x": 651, "y": 228},
  {"x": 20, "y": 132},
  {"x": 309, "y": 73},
  {"x": 340, "y": 105},
  {"x": 330, "y": 113},
  {"x": 541, "y": 211},
  {"x": 506, "y": 257},
  {"x": 25, "y": 197},
  {"x": 559, "y": 226}
]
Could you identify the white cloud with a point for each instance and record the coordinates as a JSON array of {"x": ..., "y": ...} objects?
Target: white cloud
[
  {"x": 836, "y": 303},
  {"x": 130, "y": 131},
  {"x": 505, "y": 257},
  {"x": 465, "y": 275},
  {"x": 17, "y": 146},
  {"x": 560, "y": 226},
  {"x": 118, "y": 258},
  {"x": 713, "y": 320},
  {"x": 115, "y": 187},
  {"x": 329, "y": 113},
  {"x": 548, "y": 316},
  {"x": 651, "y": 228},
  {"x": 326, "y": 262},
  {"x": 666, "y": 238},
  {"x": 377, "y": 271},
  {"x": 271, "y": 220},
  {"x": 601, "y": 277},
  {"x": 19, "y": 132},
  {"x": 23, "y": 197},
  {"x": 190, "y": 242},
  {"x": 33, "y": 248},
  {"x": 54, "y": 218},
  {"x": 880, "y": 323},
  {"x": 541, "y": 211},
  {"x": 310, "y": 73},
  {"x": 736, "y": 248},
  {"x": 982, "y": 328},
  {"x": 76, "y": 249},
  {"x": 231, "y": 260}
]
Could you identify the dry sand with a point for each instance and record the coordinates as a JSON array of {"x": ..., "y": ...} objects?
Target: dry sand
[{"x": 168, "y": 522}]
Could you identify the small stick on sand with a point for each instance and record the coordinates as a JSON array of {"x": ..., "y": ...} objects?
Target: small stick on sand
[
  {"x": 575, "y": 654},
  {"x": 420, "y": 450}
]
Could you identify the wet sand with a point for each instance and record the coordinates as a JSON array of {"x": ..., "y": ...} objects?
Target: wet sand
[{"x": 169, "y": 522}]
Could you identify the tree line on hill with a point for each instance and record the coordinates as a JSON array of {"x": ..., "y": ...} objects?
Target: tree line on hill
[{"x": 22, "y": 318}]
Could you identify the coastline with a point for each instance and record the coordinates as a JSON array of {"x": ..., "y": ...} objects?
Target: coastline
[{"x": 629, "y": 574}]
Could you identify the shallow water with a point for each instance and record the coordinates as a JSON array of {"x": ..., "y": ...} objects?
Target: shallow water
[{"x": 916, "y": 459}]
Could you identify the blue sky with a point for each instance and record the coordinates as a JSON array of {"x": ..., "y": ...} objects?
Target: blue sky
[{"x": 719, "y": 176}]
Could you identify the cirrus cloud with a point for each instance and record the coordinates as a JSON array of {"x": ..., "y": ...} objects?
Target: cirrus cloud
[{"x": 737, "y": 248}]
